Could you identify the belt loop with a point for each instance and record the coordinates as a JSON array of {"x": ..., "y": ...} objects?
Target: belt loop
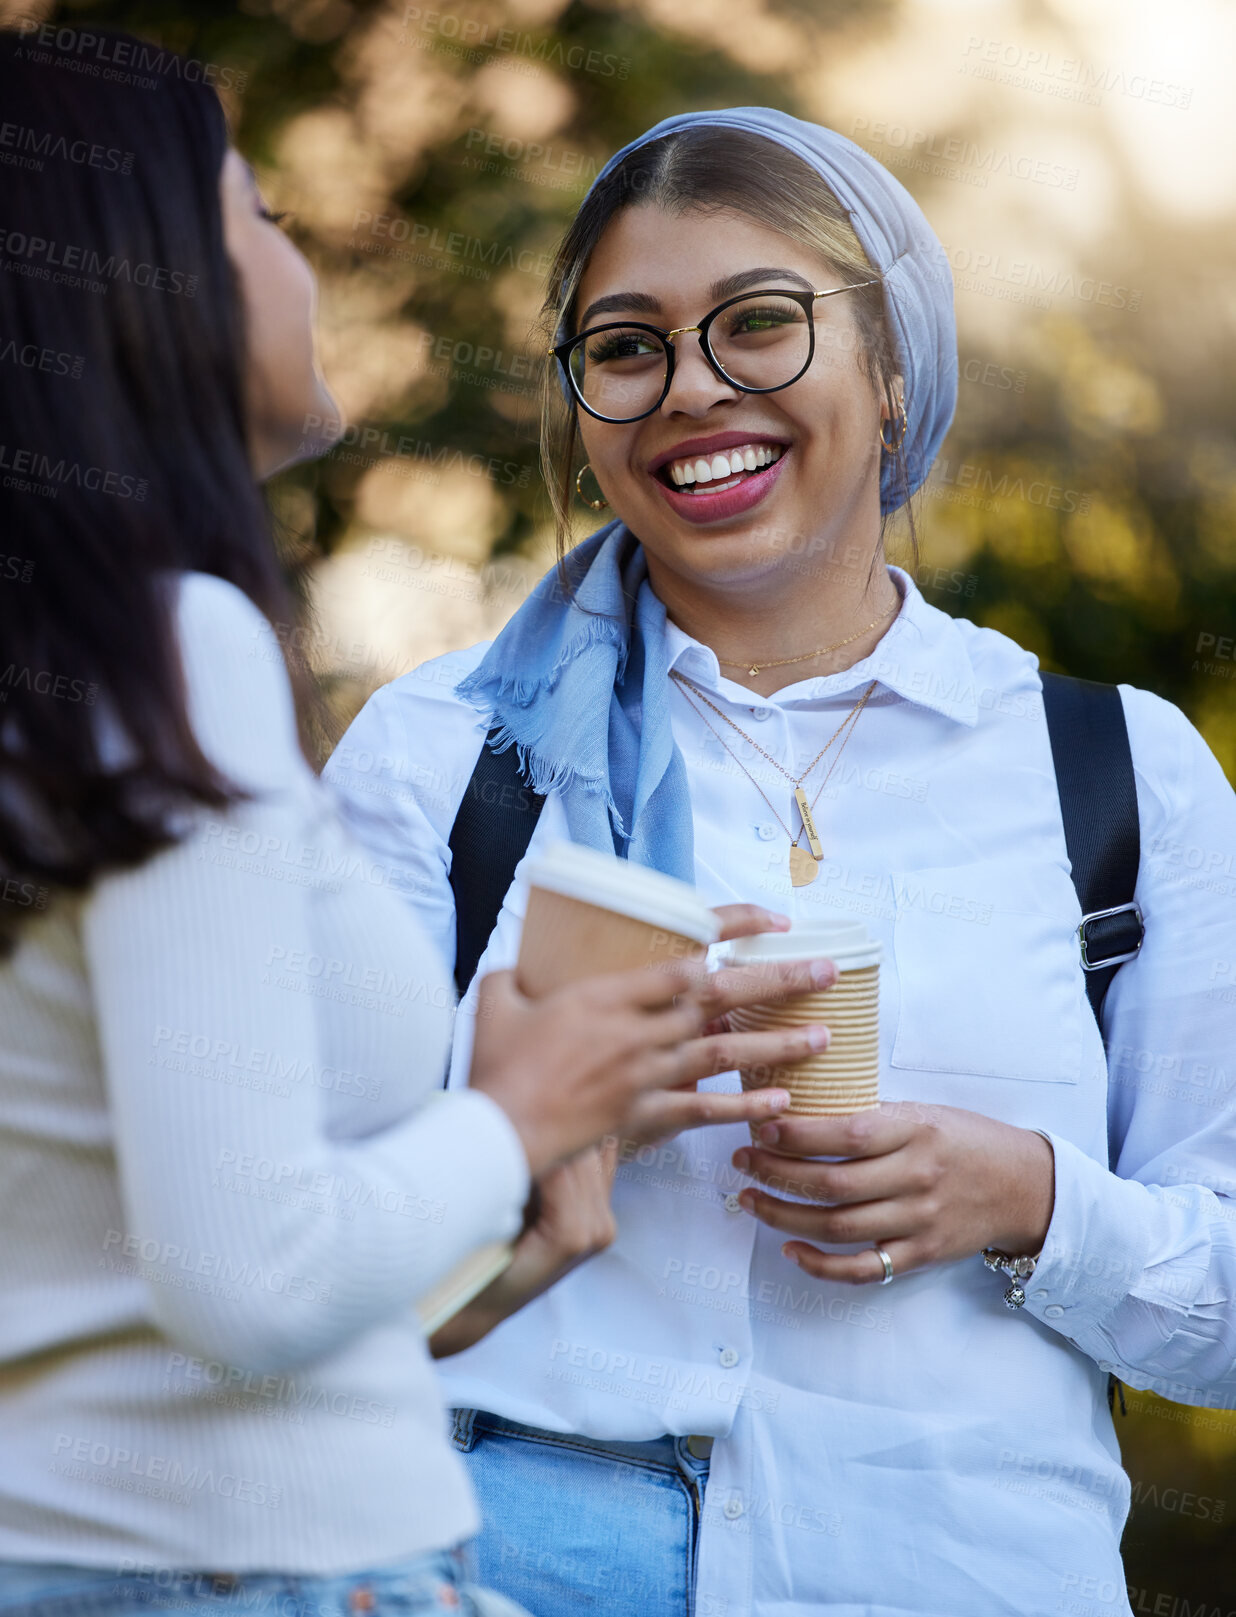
[{"x": 462, "y": 1434}]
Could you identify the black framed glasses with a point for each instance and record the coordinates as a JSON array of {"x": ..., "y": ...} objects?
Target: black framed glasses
[{"x": 758, "y": 342}]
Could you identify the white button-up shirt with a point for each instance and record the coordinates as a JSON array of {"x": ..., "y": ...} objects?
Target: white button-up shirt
[{"x": 916, "y": 1447}]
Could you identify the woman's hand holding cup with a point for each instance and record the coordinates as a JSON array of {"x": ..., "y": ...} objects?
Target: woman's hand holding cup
[
  {"x": 621, "y": 1052},
  {"x": 568, "y": 1067},
  {"x": 615, "y": 1058},
  {"x": 658, "y": 1114}
]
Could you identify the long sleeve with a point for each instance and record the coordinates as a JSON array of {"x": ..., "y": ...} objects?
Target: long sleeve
[
  {"x": 1139, "y": 1267},
  {"x": 264, "y": 1241}
]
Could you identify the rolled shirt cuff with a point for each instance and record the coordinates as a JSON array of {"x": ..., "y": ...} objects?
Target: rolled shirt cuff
[{"x": 1096, "y": 1248}]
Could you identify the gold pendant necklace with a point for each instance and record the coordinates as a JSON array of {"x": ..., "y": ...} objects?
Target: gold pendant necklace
[
  {"x": 804, "y": 862},
  {"x": 803, "y": 867}
]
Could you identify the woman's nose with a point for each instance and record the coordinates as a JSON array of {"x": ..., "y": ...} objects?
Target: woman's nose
[{"x": 694, "y": 387}]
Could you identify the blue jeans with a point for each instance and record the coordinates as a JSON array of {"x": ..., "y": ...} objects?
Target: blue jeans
[
  {"x": 575, "y": 1525},
  {"x": 423, "y": 1586}
]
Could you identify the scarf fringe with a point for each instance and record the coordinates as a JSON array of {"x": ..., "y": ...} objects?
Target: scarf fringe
[
  {"x": 484, "y": 687},
  {"x": 511, "y": 686},
  {"x": 544, "y": 775}
]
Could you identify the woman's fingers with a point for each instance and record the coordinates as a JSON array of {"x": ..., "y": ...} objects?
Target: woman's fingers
[
  {"x": 765, "y": 982},
  {"x": 758, "y": 1055},
  {"x": 607, "y": 1160},
  {"x": 862, "y": 1179},
  {"x": 748, "y": 920},
  {"x": 575, "y": 1215},
  {"x": 866, "y": 1221},
  {"x": 855, "y": 1268},
  {"x": 870, "y": 1133},
  {"x": 660, "y": 1113}
]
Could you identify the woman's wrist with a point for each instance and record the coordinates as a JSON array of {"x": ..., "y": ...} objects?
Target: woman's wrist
[
  {"x": 1030, "y": 1209},
  {"x": 465, "y": 1328}
]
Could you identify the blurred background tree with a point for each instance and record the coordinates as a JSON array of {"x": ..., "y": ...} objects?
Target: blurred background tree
[{"x": 1075, "y": 158}]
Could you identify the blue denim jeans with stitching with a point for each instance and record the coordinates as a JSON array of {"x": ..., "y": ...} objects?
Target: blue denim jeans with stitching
[
  {"x": 574, "y": 1525},
  {"x": 432, "y": 1585}
]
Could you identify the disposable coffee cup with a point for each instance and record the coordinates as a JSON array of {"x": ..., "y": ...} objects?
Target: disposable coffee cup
[
  {"x": 591, "y": 912},
  {"x": 845, "y": 1077}
]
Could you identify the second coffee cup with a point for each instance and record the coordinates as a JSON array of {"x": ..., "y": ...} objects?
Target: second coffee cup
[{"x": 846, "y": 1076}]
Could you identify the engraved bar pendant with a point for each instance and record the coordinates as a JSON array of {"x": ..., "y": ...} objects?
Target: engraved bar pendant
[{"x": 804, "y": 808}]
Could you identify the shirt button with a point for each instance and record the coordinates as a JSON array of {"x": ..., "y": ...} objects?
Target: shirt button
[
  {"x": 732, "y": 1203},
  {"x": 761, "y": 713},
  {"x": 767, "y": 831},
  {"x": 1053, "y": 1311},
  {"x": 1038, "y": 1295},
  {"x": 733, "y": 1507},
  {"x": 728, "y": 1358}
]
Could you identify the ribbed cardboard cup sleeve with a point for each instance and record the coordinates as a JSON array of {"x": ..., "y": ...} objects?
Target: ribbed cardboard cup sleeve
[{"x": 843, "y": 1078}]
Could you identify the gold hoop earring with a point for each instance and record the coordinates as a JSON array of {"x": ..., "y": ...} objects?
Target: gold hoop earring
[
  {"x": 597, "y": 505},
  {"x": 892, "y": 448}
]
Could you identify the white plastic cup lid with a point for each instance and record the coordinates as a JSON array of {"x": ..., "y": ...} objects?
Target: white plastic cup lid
[
  {"x": 593, "y": 877},
  {"x": 847, "y": 942}
]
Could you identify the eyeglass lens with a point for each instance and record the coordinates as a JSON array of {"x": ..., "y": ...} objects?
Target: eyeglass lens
[{"x": 760, "y": 342}]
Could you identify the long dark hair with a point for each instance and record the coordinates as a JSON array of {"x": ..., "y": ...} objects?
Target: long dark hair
[
  {"x": 122, "y": 457},
  {"x": 711, "y": 166}
]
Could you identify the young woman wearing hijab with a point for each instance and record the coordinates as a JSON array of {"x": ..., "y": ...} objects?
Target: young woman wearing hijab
[
  {"x": 227, "y": 1175},
  {"x": 719, "y": 1414}
]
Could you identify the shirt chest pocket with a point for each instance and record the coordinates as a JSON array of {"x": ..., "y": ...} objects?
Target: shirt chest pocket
[{"x": 987, "y": 963}]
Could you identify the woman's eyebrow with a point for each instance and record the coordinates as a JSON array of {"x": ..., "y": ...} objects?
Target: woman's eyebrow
[{"x": 727, "y": 287}]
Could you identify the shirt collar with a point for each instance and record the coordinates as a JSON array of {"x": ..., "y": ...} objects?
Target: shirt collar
[{"x": 922, "y": 658}]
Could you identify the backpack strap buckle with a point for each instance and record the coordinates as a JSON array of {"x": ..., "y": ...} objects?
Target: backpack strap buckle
[{"x": 1114, "y": 942}]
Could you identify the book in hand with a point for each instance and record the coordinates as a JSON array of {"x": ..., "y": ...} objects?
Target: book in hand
[{"x": 466, "y": 1281}]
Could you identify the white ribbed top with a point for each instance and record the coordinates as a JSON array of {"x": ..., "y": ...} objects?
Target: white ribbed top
[{"x": 228, "y": 1172}]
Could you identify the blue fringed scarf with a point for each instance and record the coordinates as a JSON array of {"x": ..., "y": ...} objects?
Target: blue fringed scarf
[{"x": 557, "y": 667}]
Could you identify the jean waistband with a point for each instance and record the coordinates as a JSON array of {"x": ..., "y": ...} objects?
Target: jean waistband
[
  {"x": 666, "y": 1450},
  {"x": 28, "y": 1586}
]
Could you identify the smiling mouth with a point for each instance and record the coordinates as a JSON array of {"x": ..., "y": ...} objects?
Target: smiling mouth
[{"x": 726, "y": 469}]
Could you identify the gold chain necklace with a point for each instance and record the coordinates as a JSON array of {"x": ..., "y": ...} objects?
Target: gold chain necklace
[
  {"x": 784, "y": 662},
  {"x": 804, "y": 865},
  {"x": 794, "y": 780}
]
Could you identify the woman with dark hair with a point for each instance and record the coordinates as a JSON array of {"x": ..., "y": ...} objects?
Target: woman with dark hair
[
  {"x": 227, "y": 1174},
  {"x": 754, "y": 349}
]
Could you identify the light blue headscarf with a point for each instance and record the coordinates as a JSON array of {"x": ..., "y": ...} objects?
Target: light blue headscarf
[{"x": 564, "y": 660}]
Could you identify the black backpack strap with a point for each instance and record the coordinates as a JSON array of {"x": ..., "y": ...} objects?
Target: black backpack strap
[
  {"x": 1098, "y": 803},
  {"x": 491, "y": 833}
]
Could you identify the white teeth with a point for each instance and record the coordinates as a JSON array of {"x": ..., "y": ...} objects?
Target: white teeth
[{"x": 723, "y": 465}]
